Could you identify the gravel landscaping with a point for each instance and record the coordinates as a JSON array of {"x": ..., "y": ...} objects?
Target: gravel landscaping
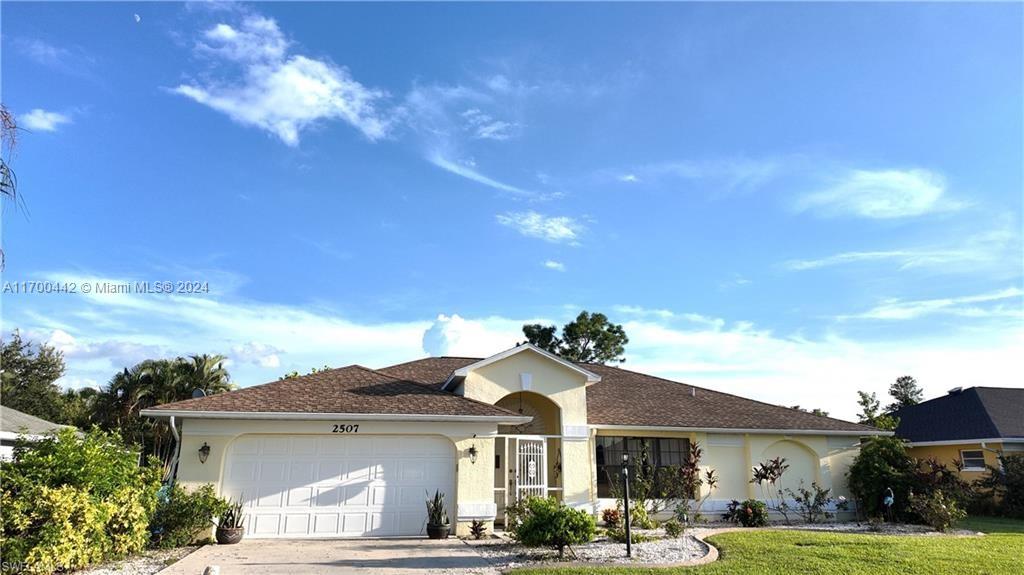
[
  {"x": 506, "y": 554},
  {"x": 146, "y": 563},
  {"x": 845, "y": 527}
]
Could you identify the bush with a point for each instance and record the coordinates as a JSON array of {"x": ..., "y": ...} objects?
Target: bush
[
  {"x": 611, "y": 518},
  {"x": 639, "y": 518},
  {"x": 812, "y": 504},
  {"x": 619, "y": 535},
  {"x": 749, "y": 513},
  {"x": 937, "y": 510},
  {"x": 1006, "y": 486},
  {"x": 882, "y": 463},
  {"x": 68, "y": 501},
  {"x": 548, "y": 523},
  {"x": 184, "y": 515},
  {"x": 673, "y": 528},
  {"x": 478, "y": 529}
]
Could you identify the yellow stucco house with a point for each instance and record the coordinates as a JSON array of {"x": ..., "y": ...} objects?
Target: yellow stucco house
[
  {"x": 966, "y": 427},
  {"x": 355, "y": 451}
]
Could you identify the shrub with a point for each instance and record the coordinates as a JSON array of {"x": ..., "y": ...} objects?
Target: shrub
[
  {"x": 549, "y": 523},
  {"x": 1006, "y": 485},
  {"x": 639, "y": 518},
  {"x": 749, "y": 513},
  {"x": 184, "y": 515},
  {"x": 673, "y": 528},
  {"x": 937, "y": 510},
  {"x": 882, "y": 463},
  {"x": 812, "y": 504},
  {"x": 619, "y": 535},
  {"x": 930, "y": 475},
  {"x": 68, "y": 501},
  {"x": 477, "y": 529},
  {"x": 611, "y": 518},
  {"x": 767, "y": 476}
]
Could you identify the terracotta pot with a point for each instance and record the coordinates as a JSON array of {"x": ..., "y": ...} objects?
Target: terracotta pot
[
  {"x": 437, "y": 531},
  {"x": 229, "y": 535}
]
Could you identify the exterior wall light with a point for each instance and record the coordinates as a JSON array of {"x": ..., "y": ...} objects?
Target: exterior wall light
[
  {"x": 472, "y": 453},
  {"x": 204, "y": 452}
]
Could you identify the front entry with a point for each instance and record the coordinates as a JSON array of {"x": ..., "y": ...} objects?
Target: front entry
[{"x": 530, "y": 471}]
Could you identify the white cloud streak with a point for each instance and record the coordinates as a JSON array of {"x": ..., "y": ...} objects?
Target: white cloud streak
[
  {"x": 280, "y": 92},
  {"x": 470, "y": 173},
  {"x": 965, "y": 306},
  {"x": 555, "y": 229},
  {"x": 881, "y": 194},
  {"x": 553, "y": 265}
]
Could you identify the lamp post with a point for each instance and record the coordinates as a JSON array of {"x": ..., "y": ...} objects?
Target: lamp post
[{"x": 625, "y": 503}]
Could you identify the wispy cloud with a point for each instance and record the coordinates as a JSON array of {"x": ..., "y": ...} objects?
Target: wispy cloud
[
  {"x": 966, "y": 306},
  {"x": 72, "y": 60},
  {"x": 279, "y": 91},
  {"x": 555, "y": 229},
  {"x": 41, "y": 120},
  {"x": 260, "y": 354},
  {"x": 469, "y": 172},
  {"x": 553, "y": 265},
  {"x": 997, "y": 246},
  {"x": 881, "y": 194},
  {"x": 723, "y": 175},
  {"x": 485, "y": 127}
]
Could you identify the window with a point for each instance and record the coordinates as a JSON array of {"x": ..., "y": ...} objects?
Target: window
[
  {"x": 660, "y": 452},
  {"x": 973, "y": 460}
]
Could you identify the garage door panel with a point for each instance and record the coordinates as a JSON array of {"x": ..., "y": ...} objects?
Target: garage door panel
[{"x": 298, "y": 486}]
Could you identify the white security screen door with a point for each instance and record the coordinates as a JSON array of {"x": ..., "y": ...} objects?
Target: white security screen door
[
  {"x": 531, "y": 467},
  {"x": 301, "y": 486}
]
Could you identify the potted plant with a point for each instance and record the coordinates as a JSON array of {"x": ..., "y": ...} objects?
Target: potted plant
[
  {"x": 437, "y": 517},
  {"x": 230, "y": 528}
]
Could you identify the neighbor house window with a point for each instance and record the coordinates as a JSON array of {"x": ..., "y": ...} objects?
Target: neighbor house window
[
  {"x": 659, "y": 453},
  {"x": 973, "y": 460}
]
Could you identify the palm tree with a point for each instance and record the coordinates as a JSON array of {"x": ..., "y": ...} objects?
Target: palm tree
[{"x": 205, "y": 372}]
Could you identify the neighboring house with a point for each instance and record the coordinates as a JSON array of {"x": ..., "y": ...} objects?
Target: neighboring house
[
  {"x": 14, "y": 423},
  {"x": 971, "y": 426},
  {"x": 356, "y": 451}
]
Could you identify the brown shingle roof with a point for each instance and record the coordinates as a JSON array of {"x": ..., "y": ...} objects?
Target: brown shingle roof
[
  {"x": 624, "y": 397},
  {"x": 352, "y": 389}
]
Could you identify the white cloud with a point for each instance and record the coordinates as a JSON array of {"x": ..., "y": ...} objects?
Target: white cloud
[
  {"x": 257, "y": 353},
  {"x": 734, "y": 356},
  {"x": 881, "y": 194},
  {"x": 453, "y": 335},
  {"x": 484, "y": 127},
  {"x": 967, "y": 306},
  {"x": 41, "y": 120},
  {"x": 279, "y": 92},
  {"x": 556, "y": 229},
  {"x": 630, "y": 178},
  {"x": 467, "y": 170},
  {"x": 120, "y": 353},
  {"x": 553, "y": 265},
  {"x": 722, "y": 175}
]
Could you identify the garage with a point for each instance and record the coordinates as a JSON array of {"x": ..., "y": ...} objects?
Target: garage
[{"x": 344, "y": 485}]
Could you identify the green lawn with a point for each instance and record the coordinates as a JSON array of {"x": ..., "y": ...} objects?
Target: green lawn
[{"x": 770, "y": 552}]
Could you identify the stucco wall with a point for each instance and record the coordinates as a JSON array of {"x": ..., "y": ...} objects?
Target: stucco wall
[
  {"x": 812, "y": 458},
  {"x": 949, "y": 454}
]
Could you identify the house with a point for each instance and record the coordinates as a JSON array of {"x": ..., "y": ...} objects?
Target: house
[
  {"x": 15, "y": 424},
  {"x": 355, "y": 451},
  {"x": 966, "y": 426}
]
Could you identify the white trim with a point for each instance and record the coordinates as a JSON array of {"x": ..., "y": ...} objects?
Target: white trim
[
  {"x": 291, "y": 415},
  {"x": 483, "y": 510},
  {"x": 464, "y": 371},
  {"x": 742, "y": 430},
  {"x": 575, "y": 432},
  {"x": 962, "y": 441}
]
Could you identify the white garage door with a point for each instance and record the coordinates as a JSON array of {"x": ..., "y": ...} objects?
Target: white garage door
[{"x": 337, "y": 486}]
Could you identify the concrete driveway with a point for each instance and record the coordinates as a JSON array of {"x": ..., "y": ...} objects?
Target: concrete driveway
[{"x": 336, "y": 557}]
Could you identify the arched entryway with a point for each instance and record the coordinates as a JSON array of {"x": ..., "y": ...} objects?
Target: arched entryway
[{"x": 528, "y": 457}]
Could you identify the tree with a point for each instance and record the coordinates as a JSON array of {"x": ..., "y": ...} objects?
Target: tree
[
  {"x": 869, "y": 412},
  {"x": 293, "y": 374},
  {"x": 881, "y": 464},
  {"x": 590, "y": 338},
  {"x": 28, "y": 373},
  {"x": 8, "y": 140},
  {"x": 906, "y": 392}
]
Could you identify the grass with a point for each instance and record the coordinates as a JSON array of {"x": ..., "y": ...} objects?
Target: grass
[{"x": 771, "y": 552}]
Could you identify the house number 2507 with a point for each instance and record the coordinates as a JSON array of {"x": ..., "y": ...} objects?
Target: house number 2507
[{"x": 345, "y": 428}]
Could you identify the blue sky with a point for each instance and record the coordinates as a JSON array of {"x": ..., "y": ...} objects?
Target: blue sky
[{"x": 789, "y": 202}]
